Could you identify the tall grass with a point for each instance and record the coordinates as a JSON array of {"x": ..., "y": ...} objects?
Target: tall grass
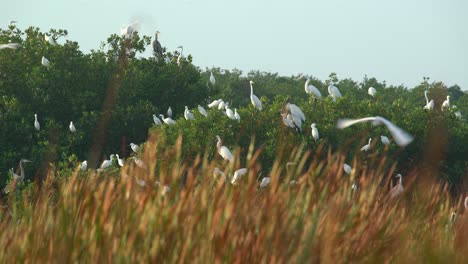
[{"x": 111, "y": 217}]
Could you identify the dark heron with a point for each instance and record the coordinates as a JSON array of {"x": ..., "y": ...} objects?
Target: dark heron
[{"x": 157, "y": 49}]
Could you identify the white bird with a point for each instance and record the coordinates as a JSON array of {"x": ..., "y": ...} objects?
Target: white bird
[
  {"x": 212, "y": 79},
  {"x": 265, "y": 182},
  {"x": 254, "y": 99},
  {"x": 16, "y": 178},
  {"x": 287, "y": 122},
  {"x": 156, "y": 120},
  {"x": 333, "y": 91},
  {"x": 202, "y": 110},
  {"x": 215, "y": 103},
  {"x": 366, "y": 147},
  {"x": 398, "y": 189},
  {"x": 236, "y": 115},
  {"x": 385, "y": 140},
  {"x": 218, "y": 173},
  {"x": 72, "y": 127},
  {"x": 295, "y": 110},
  {"x": 401, "y": 137},
  {"x": 466, "y": 203},
  {"x": 429, "y": 104},
  {"x": 347, "y": 168},
  {"x": 120, "y": 161},
  {"x": 221, "y": 105},
  {"x": 238, "y": 175},
  {"x": 127, "y": 30},
  {"x": 446, "y": 103},
  {"x": 84, "y": 165},
  {"x": 187, "y": 114},
  {"x": 296, "y": 120},
  {"x": 312, "y": 90},
  {"x": 45, "y": 62},
  {"x": 168, "y": 120},
  {"x": 169, "y": 112},
  {"x": 139, "y": 162},
  {"x": 12, "y": 46},
  {"x": 37, "y": 126},
  {"x": 223, "y": 151},
  {"x": 51, "y": 40},
  {"x": 180, "y": 55},
  {"x": 229, "y": 112},
  {"x": 371, "y": 91},
  {"x": 315, "y": 133},
  {"x": 135, "y": 147},
  {"x": 106, "y": 163}
]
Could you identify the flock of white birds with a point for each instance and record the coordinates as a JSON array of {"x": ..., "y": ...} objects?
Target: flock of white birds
[{"x": 293, "y": 117}]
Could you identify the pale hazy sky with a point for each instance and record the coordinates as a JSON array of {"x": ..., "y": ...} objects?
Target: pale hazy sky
[{"x": 398, "y": 41}]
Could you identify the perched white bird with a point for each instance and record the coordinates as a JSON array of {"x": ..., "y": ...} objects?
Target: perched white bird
[
  {"x": 315, "y": 133},
  {"x": 371, "y": 91},
  {"x": 446, "y": 103},
  {"x": 135, "y": 147},
  {"x": 296, "y": 121},
  {"x": 236, "y": 115},
  {"x": 429, "y": 104},
  {"x": 156, "y": 120},
  {"x": 139, "y": 162},
  {"x": 84, "y": 165},
  {"x": 120, "y": 161},
  {"x": 398, "y": 189},
  {"x": 333, "y": 91},
  {"x": 215, "y": 103},
  {"x": 229, "y": 112},
  {"x": 223, "y": 151},
  {"x": 167, "y": 120},
  {"x": 254, "y": 99},
  {"x": 366, "y": 147},
  {"x": 187, "y": 114},
  {"x": 202, "y": 110},
  {"x": 169, "y": 112},
  {"x": 347, "y": 168},
  {"x": 238, "y": 175},
  {"x": 287, "y": 122},
  {"x": 37, "y": 126},
  {"x": 218, "y": 173},
  {"x": 385, "y": 140},
  {"x": 106, "y": 163},
  {"x": 180, "y": 55},
  {"x": 51, "y": 40},
  {"x": 127, "y": 30},
  {"x": 401, "y": 137},
  {"x": 265, "y": 182},
  {"x": 212, "y": 79},
  {"x": 72, "y": 127},
  {"x": 45, "y": 62},
  {"x": 221, "y": 105},
  {"x": 295, "y": 110},
  {"x": 12, "y": 46},
  {"x": 312, "y": 90}
]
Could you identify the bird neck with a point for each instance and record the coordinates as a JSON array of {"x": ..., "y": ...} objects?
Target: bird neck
[
  {"x": 218, "y": 144},
  {"x": 21, "y": 169},
  {"x": 425, "y": 95},
  {"x": 251, "y": 89}
]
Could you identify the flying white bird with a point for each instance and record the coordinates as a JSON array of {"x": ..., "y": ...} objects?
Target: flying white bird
[
  {"x": 187, "y": 114},
  {"x": 72, "y": 127},
  {"x": 236, "y": 115},
  {"x": 398, "y": 189},
  {"x": 212, "y": 79},
  {"x": 12, "y": 46},
  {"x": 37, "y": 126},
  {"x": 401, "y": 137},
  {"x": 167, "y": 120},
  {"x": 347, "y": 168},
  {"x": 106, "y": 163},
  {"x": 385, "y": 140},
  {"x": 202, "y": 110},
  {"x": 429, "y": 104},
  {"x": 265, "y": 182},
  {"x": 238, "y": 175},
  {"x": 229, "y": 112},
  {"x": 156, "y": 120},
  {"x": 254, "y": 99},
  {"x": 16, "y": 178},
  {"x": 312, "y": 90},
  {"x": 446, "y": 103},
  {"x": 333, "y": 91},
  {"x": 215, "y": 103},
  {"x": 45, "y": 62},
  {"x": 315, "y": 133},
  {"x": 371, "y": 91},
  {"x": 50, "y": 39},
  {"x": 169, "y": 112},
  {"x": 366, "y": 147},
  {"x": 223, "y": 151},
  {"x": 135, "y": 147},
  {"x": 84, "y": 165},
  {"x": 120, "y": 161}
]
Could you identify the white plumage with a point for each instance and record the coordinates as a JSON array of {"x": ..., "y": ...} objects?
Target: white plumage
[
  {"x": 12, "y": 46},
  {"x": 265, "y": 182},
  {"x": 37, "y": 126},
  {"x": 215, "y": 103},
  {"x": 223, "y": 151},
  {"x": 187, "y": 114},
  {"x": 45, "y": 62},
  {"x": 333, "y": 91},
  {"x": 167, "y": 120},
  {"x": 315, "y": 133},
  {"x": 238, "y": 175},
  {"x": 212, "y": 79},
  {"x": 398, "y": 189},
  {"x": 371, "y": 91},
  {"x": 135, "y": 147},
  {"x": 254, "y": 99},
  {"x": 156, "y": 120},
  {"x": 236, "y": 115},
  {"x": 429, "y": 104},
  {"x": 202, "y": 110},
  {"x": 385, "y": 140},
  {"x": 72, "y": 127},
  {"x": 347, "y": 168},
  {"x": 84, "y": 165},
  {"x": 446, "y": 103},
  {"x": 366, "y": 147},
  {"x": 312, "y": 90}
]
